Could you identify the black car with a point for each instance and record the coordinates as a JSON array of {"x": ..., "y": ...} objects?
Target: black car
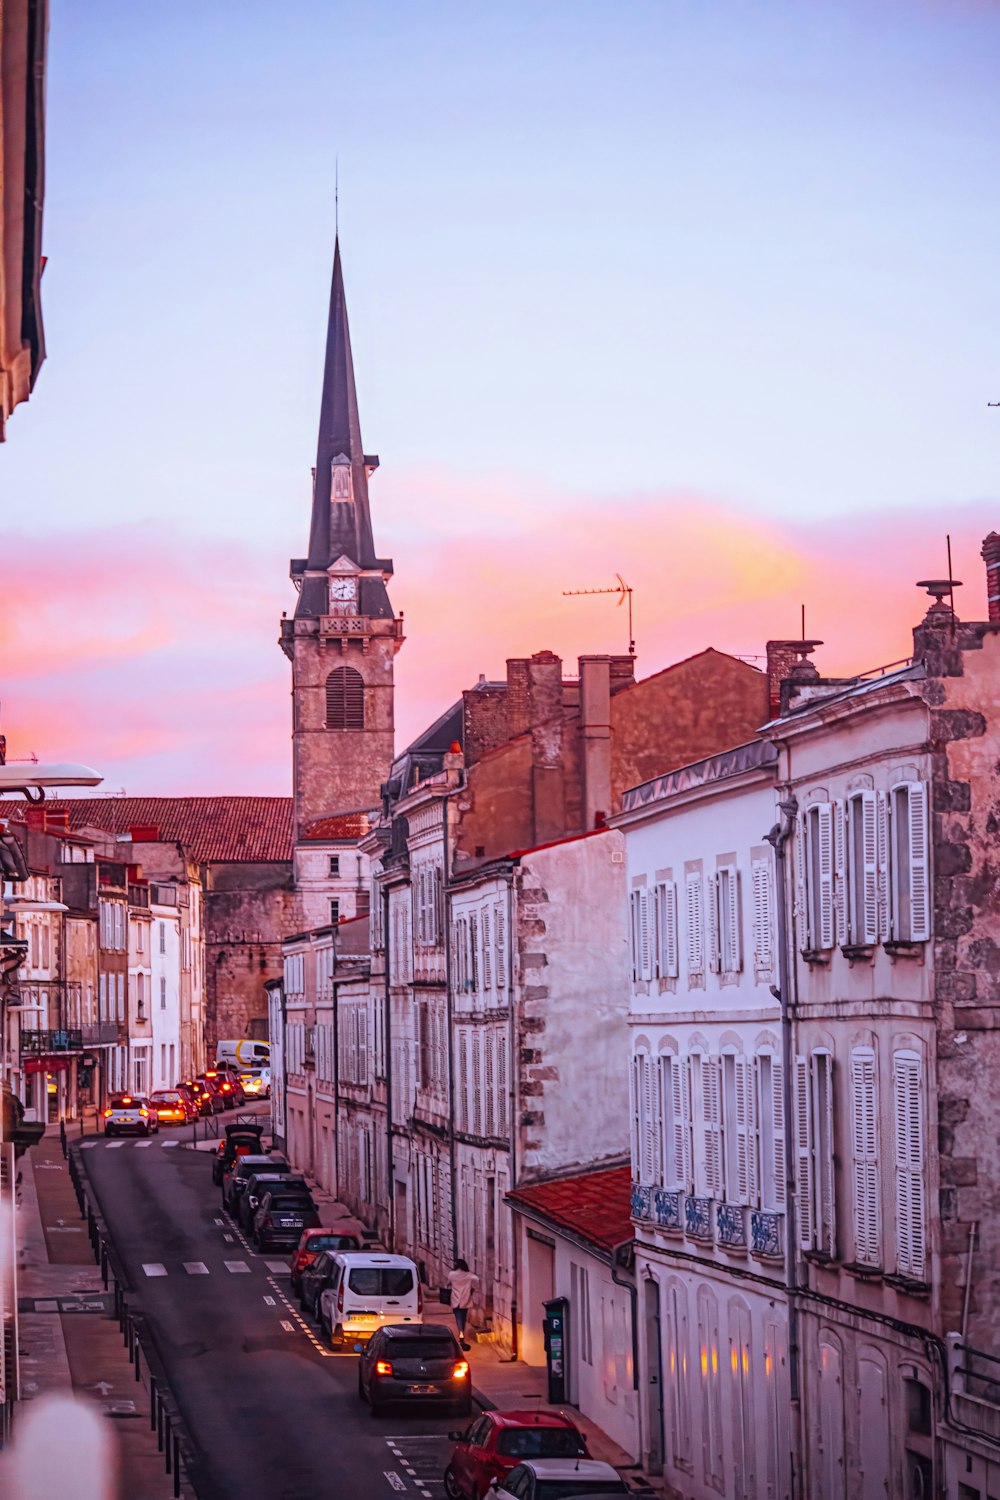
[
  {"x": 256, "y": 1185},
  {"x": 234, "y": 1183},
  {"x": 239, "y": 1140},
  {"x": 282, "y": 1216},
  {"x": 415, "y": 1362},
  {"x": 315, "y": 1278}
]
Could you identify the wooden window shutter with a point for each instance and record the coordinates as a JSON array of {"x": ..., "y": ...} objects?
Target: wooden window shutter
[
  {"x": 645, "y": 943},
  {"x": 667, "y": 893},
  {"x": 503, "y": 1103},
  {"x": 730, "y": 935},
  {"x": 712, "y": 1124},
  {"x": 763, "y": 915},
  {"x": 823, "y": 937},
  {"x": 776, "y": 1104},
  {"x": 695, "y": 924},
  {"x": 920, "y": 917},
  {"x": 909, "y": 1135},
  {"x": 712, "y": 891},
  {"x": 882, "y": 844},
  {"x": 841, "y": 895},
  {"x": 635, "y": 1080},
  {"x": 490, "y": 1083},
  {"x": 635, "y": 932},
  {"x": 487, "y": 951},
  {"x": 500, "y": 929},
  {"x": 345, "y": 699},
  {"x": 826, "y": 1234},
  {"x": 746, "y": 1135},
  {"x": 803, "y": 1154},
  {"x": 864, "y": 1144},
  {"x": 867, "y": 869}
]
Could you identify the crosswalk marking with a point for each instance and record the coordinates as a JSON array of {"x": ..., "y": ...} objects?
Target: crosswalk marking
[
  {"x": 154, "y": 1268},
  {"x": 87, "y": 1145},
  {"x": 279, "y": 1267},
  {"x": 140, "y": 1144},
  {"x": 196, "y": 1268},
  {"x": 115, "y": 1145},
  {"x": 167, "y": 1144},
  {"x": 236, "y": 1266}
]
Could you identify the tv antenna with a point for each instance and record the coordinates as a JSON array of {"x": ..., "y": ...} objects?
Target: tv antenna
[{"x": 623, "y": 590}]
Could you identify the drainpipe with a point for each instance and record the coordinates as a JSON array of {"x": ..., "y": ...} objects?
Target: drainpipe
[
  {"x": 449, "y": 1018},
  {"x": 387, "y": 1033},
  {"x": 629, "y": 1284},
  {"x": 335, "y": 985},
  {"x": 778, "y": 838},
  {"x": 513, "y": 1072}
]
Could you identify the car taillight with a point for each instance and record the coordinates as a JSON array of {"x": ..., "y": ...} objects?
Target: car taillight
[
  {"x": 461, "y": 1370},
  {"x": 383, "y": 1367},
  {"x": 420, "y": 1298},
  {"x": 340, "y": 1300},
  {"x": 126, "y": 1100},
  {"x": 225, "y": 1088}
]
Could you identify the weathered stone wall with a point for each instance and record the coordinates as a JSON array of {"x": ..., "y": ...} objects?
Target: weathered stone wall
[
  {"x": 964, "y": 700},
  {"x": 247, "y": 909}
]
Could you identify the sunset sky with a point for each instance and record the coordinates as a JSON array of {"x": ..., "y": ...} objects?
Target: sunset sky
[{"x": 704, "y": 294}]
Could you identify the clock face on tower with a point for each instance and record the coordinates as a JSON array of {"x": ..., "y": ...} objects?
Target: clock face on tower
[{"x": 343, "y": 590}]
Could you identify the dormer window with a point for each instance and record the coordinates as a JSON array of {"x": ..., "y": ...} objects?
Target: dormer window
[{"x": 340, "y": 478}]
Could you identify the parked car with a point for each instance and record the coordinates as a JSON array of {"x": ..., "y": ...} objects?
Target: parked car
[
  {"x": 499, "y": 1440},
  {"x": 172, "y": 1107},
  {"x": 257, "y": 1181},
  {"x": 310, "y": 1246},
  {"x": 239, "y": 1140},
  {"x": 128, "y": 1114},
  {"x": 234, "y": 1183},
  {"x": 556, "y": 1478},
  {"x": 200, "y": 1094},
  {"x": 282, "y": 1216},
  {"x": 367, "y": 1290},
  {"x": 414, "y": 1362}
]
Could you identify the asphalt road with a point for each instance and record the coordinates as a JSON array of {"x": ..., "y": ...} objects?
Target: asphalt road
[{"x": 275, "y": 1415}]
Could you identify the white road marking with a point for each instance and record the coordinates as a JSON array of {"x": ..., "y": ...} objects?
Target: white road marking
[
  {"x": 288, "y": 1327},
  {"x": 115, "y": 1145},
  {"x": 139, "y": 1144},
  {"x": 87, "y": 1145},
  {"x": 218, "y": 1221},
  {"x": 279, "y": 1267},
  {"x": 236, "y": 1266},
  {"x": 154, "y": 1268},
  {"x": 396, "y": 1480},
  {"x": 166, "y": 1144},
  {"x": 270, "y": 1302},
  {"x": 228, "y": 1239},
  {"x": 196, "y": 1268}
]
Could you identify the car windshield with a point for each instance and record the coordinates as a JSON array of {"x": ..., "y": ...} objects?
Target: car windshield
[
  {"x": 556, "y": 1489},
  {"x": 161, "y": 1097},
  {"x": 539, "y": 1442},
  {"x": 250, "y": 1166},
  {"x": 317, "y": 1242},
  {"x": 380, "y": 1281},
  {"x": 422, "y": 1349},
  {"x": 128, "y": 1101}
]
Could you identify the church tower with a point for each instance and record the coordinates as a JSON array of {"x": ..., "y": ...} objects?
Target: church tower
[{"x": 343, "y": 636}]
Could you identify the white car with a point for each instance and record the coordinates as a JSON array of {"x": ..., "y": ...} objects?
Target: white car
[
  {"x": 556, "y": 1478},
  {"x": 127, "y": 1113},
  {"x": 257, "y": 1085}
]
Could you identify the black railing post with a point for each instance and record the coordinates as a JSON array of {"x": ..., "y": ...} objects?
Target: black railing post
[{"x": 177, "y": 1468}]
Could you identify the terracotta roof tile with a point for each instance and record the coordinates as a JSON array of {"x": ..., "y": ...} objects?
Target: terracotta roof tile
[
  {"x": 352, "y": 825},
  {"x": 594, "y": 1205},
  {"x": 222, "y": 829}
]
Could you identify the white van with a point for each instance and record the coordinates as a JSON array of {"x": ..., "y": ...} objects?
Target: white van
[
  {"x": 369, "y": 1288},
  {"x": 243, "y": 1053}
]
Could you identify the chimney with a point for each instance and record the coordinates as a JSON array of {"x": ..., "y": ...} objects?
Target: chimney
[
  {"x": 545, "y": 699},
  {"x": 991, "y": 557},
  {"x": 782, "y": 658},
  {"x": 595, "y": 732}
]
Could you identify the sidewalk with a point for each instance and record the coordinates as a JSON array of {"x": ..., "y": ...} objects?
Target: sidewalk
[{"x": 70, "y": 1339}]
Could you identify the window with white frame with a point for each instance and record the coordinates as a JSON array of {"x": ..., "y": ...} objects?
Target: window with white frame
[
  {"x": 762, "y": 884},
  {"x": 771, "y": 1145},
  {"x": 866, "y": 1184},
  {"x": 729, "y": 943},
  {"x": 819, "y": 931},
  {"x": 675, "y": 1116},
  {"x": 666, "y": 955},
  {"x": 709, "y": 1080},
  {"x": 862, "y": 869},
  {"x": 642, "y": 952},
  {"x": 814, "y": 1152},
  {"x": 645, "y": 1115},
  {"x": 908, "y": 1123},
  {"x": 739, "y": 1111}
]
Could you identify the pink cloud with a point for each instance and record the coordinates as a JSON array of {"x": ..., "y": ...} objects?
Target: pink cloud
[{"x": 154, "y": 657}]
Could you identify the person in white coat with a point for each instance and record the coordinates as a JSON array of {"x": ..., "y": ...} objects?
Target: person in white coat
[{"x": 462, "y": 1283}]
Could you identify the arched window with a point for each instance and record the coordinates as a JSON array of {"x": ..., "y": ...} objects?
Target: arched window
[{"x": 345, "y": 699}]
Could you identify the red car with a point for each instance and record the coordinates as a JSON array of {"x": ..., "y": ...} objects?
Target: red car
[
  {"x": 498, "y": 1440},
  {"x": 314, "y": 1241}
]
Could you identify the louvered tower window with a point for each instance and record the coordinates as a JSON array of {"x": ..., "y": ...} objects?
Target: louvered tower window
[{"x": 345, "y": 699}]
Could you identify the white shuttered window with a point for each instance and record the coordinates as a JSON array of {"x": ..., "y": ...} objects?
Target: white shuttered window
[
  {"x": 711, "y": 1106},
  {"x": 694, "y": 911},
  {"x": 909, "y": 1134},
  {"x": 909, "y": 895},
  {"x": 763, "y": 915},
  {"x": 863, "y": 892},
  {"x": 666, "y": 930},
  {"x": 864, "y": 1152},
  {"x": 803, "y": 1154},
  {"x": 819, "y": 859}
]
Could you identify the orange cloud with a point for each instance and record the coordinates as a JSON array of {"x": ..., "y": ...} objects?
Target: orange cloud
[{"x": 155, "y": 657}]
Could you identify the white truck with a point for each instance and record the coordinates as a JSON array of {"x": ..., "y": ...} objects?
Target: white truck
[{"x": 243, "y": 1053}]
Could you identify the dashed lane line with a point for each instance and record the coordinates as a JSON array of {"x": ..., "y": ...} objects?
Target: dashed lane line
[
  {"x": 154, "y": 1268},
  {"x": 279, "y": 1267},
  {"x": 236, "y": 1266},
  {"x": 196, "y": 1268},
  {"x": 300, "y": 1320}
]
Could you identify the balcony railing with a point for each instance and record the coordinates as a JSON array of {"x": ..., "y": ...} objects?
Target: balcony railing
[
  {"x": 726, "y": 1226},
  {"x": 51, "y": 1041},
  {"x": 975, "y": 1388},
  {"x": 104, "y": 1034}
]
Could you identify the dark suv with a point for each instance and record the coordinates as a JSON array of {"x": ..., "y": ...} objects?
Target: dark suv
[
  {"x": 415, "y": 1362},
  {"x": 282, "y": 1216},
  {"x": 234, "y": 1183},
  {"x": 257, "y": 1184}
]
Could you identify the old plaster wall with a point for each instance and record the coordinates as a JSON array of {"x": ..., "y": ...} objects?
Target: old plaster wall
[
  {"x": 248, "y": 907},
  {"x": 965, "y": 747},
  {"x": 572, "y": 1002},
  {"x": 700, "y": 706}
]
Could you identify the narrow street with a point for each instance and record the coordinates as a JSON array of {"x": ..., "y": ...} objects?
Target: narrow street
[{"x": 274, "y": 1414}]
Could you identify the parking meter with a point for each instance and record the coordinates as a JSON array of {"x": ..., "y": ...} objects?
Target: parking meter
[{"x": 556, "y": 1349}]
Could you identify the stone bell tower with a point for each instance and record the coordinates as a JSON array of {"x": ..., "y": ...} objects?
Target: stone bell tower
[{"x": 343, "y": 635}]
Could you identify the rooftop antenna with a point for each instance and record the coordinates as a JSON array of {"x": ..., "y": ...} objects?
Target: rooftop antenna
[
  {"x": 951, "y": 583},
  {"x": 803, "y": 636},
  {"x": 336, "y": 197},
  {"x": 624, "y": 591}
]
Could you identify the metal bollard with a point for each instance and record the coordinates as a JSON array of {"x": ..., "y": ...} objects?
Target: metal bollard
[
  {"x": 159, "y": 1425},
  {"x": 169, "y": 1448},
  {"x": 104, "y": 1265},
  {"x": 62, "y": 1139},
  {"x": 152, "y": 1403},
  {"x": 137, "y": 1375},
  {"x": 177, "y": 1469}
]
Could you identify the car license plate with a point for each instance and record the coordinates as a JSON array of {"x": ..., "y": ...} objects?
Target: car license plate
[
  {"x": 288, "y": 1223},
  {"x": 423, "y": 1390}
]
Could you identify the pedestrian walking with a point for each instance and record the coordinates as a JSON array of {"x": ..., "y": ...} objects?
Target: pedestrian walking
[{"x": 462, "y": 1284}]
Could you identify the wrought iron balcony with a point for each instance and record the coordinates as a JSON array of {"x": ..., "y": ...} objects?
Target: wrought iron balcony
[
  {"x": 657, "y": 1205},
  {"x": 767, "y": 1233},
  {"x": 51, "y": 1041},
  {"x": 731, "y": 1224},
  {"x": 104, "y": 1034},
  {"x": 698, "y": 1218}
]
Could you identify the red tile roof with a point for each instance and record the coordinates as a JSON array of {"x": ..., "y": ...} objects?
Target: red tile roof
[
  {"x": 214, "y": 829},
  {"x": 594, "y": 1205},
  {"x": 351, "y": 825}
]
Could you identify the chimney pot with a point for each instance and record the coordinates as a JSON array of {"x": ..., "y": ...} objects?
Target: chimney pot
[{"x": 991, "y": 557}]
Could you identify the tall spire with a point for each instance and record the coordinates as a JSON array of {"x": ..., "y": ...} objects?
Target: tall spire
[{"x": 341, "y": 521}]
